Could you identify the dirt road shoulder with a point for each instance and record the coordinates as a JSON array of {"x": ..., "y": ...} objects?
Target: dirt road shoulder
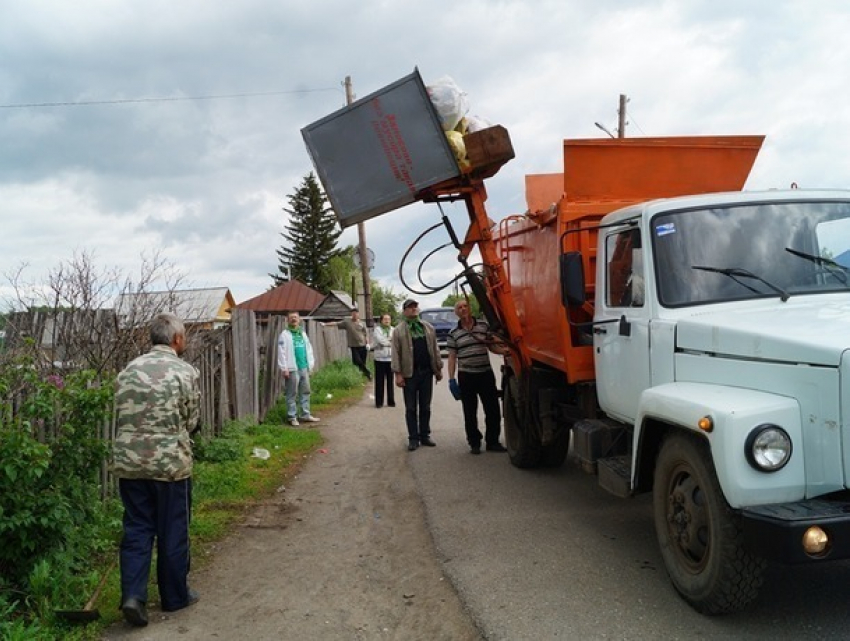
[{"x": 341, "y": 552}]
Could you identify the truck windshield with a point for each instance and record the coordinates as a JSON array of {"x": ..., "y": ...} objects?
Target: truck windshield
[{"x": 785, "y": 248}]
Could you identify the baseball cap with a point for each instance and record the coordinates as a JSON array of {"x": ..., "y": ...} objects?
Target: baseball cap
[{"x": 409, "y": 303}]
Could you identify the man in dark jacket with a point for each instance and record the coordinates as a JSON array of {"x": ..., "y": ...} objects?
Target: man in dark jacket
[{"x": 416, "y": 362}]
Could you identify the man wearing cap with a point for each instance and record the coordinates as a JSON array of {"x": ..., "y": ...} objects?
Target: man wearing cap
[{"x": 416, "y": 361}]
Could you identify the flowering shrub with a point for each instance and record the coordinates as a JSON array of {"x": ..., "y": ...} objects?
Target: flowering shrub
[{"x": 51, "y": 450}]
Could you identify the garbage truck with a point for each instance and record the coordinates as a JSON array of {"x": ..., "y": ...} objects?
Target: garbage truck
[{"x": 675, "y": 334}]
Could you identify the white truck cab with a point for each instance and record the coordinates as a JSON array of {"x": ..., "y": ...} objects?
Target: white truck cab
[{"x": 721, "y": 336}]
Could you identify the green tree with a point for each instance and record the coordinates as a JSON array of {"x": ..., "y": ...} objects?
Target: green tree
[
  {"x": 451, "y": 299},
  {"x": 342, "y": 268},
  {"x": 310, "y": 236},
  {"x": 385, "y": 301}
]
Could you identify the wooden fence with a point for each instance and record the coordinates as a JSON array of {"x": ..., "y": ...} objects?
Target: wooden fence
[
  {"x": 239, "y": 377},
  {"x": 239, "y": 373}
]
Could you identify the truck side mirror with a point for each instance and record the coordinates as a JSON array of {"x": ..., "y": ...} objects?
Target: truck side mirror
[{"x": 572, "y": 279}]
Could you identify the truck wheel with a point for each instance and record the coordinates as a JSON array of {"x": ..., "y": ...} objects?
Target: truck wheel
[
  {"x": 523, "y": 449},
  {"x": 555, "y": 453},
  {"x": 699, "y": 534}
]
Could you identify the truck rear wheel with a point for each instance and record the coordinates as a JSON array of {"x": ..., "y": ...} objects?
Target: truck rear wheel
[
  {"x": 523, "y": 448},
  {"x": 699, "y": 534},
  {"x": 554, "y": 454}
]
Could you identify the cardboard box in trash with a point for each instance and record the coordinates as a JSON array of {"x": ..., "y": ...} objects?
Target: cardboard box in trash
[{"x": 378, "y": 153}]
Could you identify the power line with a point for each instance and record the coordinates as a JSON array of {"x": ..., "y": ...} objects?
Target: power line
[{"x": 86, "y": 103}]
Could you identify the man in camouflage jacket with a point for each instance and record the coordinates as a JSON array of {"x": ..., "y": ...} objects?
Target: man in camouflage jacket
[{"x": 157, "y": 403}]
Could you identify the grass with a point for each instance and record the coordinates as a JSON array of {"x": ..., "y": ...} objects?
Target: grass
[{"x": 228, "y": 481}]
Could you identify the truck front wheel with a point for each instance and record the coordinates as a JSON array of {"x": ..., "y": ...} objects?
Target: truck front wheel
[
  {"x": 523, "y": 448},
  {"x": 699, "y": 534}
]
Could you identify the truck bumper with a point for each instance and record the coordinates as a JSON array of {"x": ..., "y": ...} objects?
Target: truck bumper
[{"x": 775, "y": 532}]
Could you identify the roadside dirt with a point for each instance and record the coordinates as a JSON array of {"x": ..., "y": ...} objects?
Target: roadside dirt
[{"x": 341, "y": 552}]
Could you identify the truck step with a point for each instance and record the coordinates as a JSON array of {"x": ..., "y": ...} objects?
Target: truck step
[{"x": 615, "y": 475}]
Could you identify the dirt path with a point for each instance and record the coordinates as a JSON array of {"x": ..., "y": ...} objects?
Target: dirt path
[{"x": 342, "y": 552}]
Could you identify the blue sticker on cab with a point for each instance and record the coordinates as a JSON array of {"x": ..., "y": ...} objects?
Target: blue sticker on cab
[{"x": 665, "y": 229}]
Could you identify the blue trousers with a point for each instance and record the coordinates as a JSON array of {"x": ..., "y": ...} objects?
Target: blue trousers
[
  {"x": 418, "y": 390},
  {"x": 158, "y": 510},
  {"x": 297, "y": 390}
]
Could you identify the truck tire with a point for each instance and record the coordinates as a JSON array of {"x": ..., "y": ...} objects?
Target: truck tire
[
  {"x": 699, "y": 534},
  {"x": 523, "y": 448},
  {"x": 554, "y": 454}
]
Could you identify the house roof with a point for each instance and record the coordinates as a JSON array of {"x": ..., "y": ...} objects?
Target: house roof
[
  {"x": 344, "y": 298},
  {"x": 191, "y": 305},
  {"x": 293, "y": 295}
]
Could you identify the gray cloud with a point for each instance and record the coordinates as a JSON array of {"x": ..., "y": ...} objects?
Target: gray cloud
[{"x": 206, "y": 179}]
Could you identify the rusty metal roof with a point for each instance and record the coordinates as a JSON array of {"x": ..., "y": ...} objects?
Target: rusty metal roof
[{"x": 293, "y": 295}]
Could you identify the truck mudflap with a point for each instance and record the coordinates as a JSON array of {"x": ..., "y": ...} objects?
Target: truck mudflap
[{"x": 776, "y": 531}]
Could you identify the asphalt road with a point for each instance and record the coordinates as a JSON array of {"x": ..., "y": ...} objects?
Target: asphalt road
[{"x": 550, "y": 555}]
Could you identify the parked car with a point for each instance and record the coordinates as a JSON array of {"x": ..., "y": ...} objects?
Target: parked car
[{"x": 443, "y": 319}]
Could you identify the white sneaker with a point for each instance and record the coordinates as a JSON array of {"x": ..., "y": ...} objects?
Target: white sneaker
[
  {"x": 309, "y": 419},
  {"x": 293, "y": 422}
]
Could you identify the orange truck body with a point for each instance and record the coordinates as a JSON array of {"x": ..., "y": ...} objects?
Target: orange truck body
[{"x": 600, "y": 176}]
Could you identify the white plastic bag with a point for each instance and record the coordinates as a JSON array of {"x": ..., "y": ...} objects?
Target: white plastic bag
[
  {"x": 450, "y": 102},
  {"x": 476, "y": 123}
]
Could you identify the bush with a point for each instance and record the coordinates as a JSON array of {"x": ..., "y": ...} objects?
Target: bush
[{"x": 51, "y": 452}]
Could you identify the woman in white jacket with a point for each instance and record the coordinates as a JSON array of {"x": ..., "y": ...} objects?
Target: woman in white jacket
[{"x": 382, "y": 347}]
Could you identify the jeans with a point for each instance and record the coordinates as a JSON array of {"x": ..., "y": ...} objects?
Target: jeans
[
  {"x": 298, "y": 384},
  {"x": 418, "y": 390}
]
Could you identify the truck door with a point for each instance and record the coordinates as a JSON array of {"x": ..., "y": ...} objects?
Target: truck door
[{"x": 622, "y": 357}]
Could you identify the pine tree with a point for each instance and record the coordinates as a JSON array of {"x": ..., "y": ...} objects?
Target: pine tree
[{"x": 311, "y": 236}]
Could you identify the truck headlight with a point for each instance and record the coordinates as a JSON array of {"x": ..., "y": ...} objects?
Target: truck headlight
[{"x": 768, "y": 448}]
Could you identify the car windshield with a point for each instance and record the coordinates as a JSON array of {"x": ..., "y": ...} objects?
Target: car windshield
[
  {"x": 438, "y": 316},
  {"x": 751, "y": 251}
]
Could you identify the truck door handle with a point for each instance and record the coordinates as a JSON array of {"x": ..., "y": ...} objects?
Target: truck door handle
[{"x": 599, "y": 330}]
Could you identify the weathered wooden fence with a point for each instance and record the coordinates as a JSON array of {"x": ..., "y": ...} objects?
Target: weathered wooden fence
[
  {"x": 238, "y": 369},
  {"x": 241, "y": 378}
]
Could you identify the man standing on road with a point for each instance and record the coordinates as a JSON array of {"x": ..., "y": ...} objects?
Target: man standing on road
[
  {"x": 469, "y": 346},
  {"x": 416, "y": 361},
  {"x": 295, "y": 361},
  {"x": 157, "y": 402},
  {"x": 357, "y": 335}
]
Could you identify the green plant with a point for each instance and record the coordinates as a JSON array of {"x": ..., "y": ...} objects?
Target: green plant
[{"x": 50, "y": 456}]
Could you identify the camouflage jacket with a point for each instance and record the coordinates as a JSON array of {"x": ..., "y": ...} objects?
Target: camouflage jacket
[{"x": 157, "y": 404}]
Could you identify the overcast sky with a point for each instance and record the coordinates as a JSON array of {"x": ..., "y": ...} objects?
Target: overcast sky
[{"x": 205, "y": 180}]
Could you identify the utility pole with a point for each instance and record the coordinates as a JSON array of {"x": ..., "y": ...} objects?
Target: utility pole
[
  {"x": 621, "y": 122},
  {"x": 361, "y": 236}
]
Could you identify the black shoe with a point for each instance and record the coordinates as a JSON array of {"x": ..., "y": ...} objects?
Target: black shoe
[
  {"x": 135, "y": 612},
  {"x": 192, "y": 599},
  {"x": 378, "y": 406},
  {"x": 475, "y": 449},
  {"x": 390, "y": 404},
  {"x": 426, "y": 440},
  {"x": 496, "y": 447},
  {"x": 412, "y": 445}
]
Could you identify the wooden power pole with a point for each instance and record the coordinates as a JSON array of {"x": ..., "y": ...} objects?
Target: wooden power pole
[{"x": 361, "y": 236}]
